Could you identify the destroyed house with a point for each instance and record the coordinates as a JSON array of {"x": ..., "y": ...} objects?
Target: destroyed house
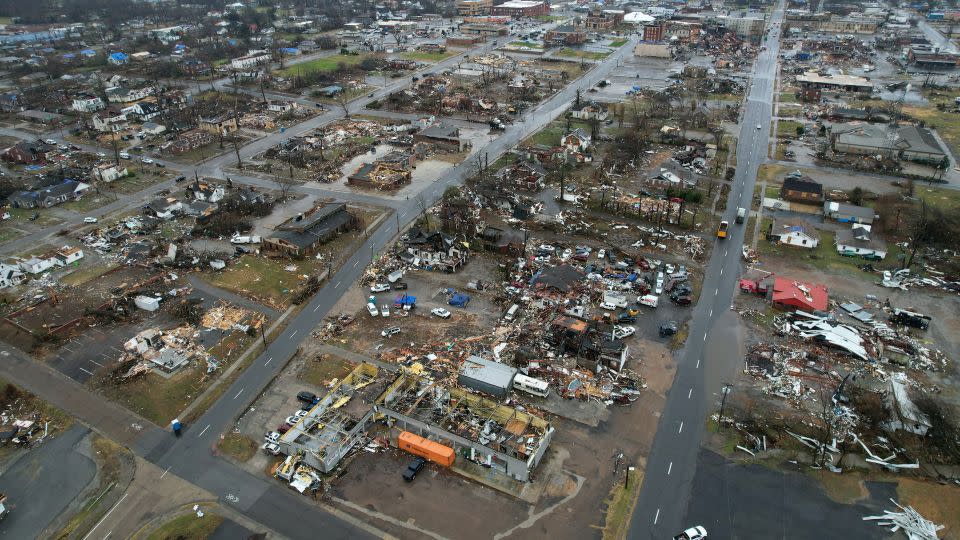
[
  {"x": 602, "y": 349},
  {"x": 791, "y": 294},
  {"x": 379, "y": 175},
  {"x": 28, "y": 153},
  {"x": 589, "y": 110},
  {"x": 524, "y": 175},
  {"x": 302, "y": 235},
  {"x": 49, "y": 196},
  {"x": 503, "y": 439},
  {"x": 442, "y": 135},
  {"x": 436, "y": 250},
  {"x": 501, "y": 241},
  {"x": 560, "y": 278}
]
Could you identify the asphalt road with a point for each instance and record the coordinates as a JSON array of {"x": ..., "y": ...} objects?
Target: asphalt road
[
  {"x": 712, "y": 351},
  {"x": 41, "y": 483}
]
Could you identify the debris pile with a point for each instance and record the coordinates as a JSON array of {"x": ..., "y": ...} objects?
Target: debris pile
[{"x": 915, "y": 526}]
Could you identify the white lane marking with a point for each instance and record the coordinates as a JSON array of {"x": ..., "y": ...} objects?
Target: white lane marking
[
  {"x": 164, "y": 473},
  {"x": 337, "y": 286},
  {"x": 716, "y": 291},
  {"x": 403, "y": 214},
  {"x": 97, "y": 363},
  {"x": 725, "y": 253},
  {"x": 85, "y": 371},
  {"x": 679, "y": 431},
  {"x": 669, "y": 468},
  {"x": 293, "y": 334},
  {"x": 721, "y": 270},
  {"x": 711, "y": 313},
  {"x": 698, "y": 363},
  {"x": 356, "y": 264},
  {"x": 204, "y": 431},
  {"x": 238, "y": 394},
  {"x": 267, "y": 363},
  {"x": 690, "y": 393},
  {"x": 656, "y": 517},
  {"x": 316, "y": 308},
  {"x": 106, "y": 516},
  {"x": 704, "y": 337}
]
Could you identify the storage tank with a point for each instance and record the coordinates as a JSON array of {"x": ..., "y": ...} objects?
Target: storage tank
[{"x": 425, "y": 448}]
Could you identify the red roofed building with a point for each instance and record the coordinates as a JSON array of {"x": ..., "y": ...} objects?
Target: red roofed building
[{"x": 792, "y": 294}]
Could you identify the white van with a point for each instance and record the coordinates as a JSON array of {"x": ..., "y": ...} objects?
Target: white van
[
  {"x": 649, "y": 300},
  {"x": 511, "y": 313},
  {"x": 124, "y": 155},
  {"x": 372, "y": 308}
]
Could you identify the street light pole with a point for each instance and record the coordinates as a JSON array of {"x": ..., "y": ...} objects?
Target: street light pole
[{"x": 723, "y": 401}]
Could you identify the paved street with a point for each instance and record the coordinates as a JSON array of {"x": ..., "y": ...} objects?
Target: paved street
[
  {"x": 712, "y": 350},
  {"x": 43, "y": 481}
]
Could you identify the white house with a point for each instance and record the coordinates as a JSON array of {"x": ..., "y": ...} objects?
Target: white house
[
  {"x": 108, "y": 121},
  {"x": 279, "y": 106},
  {"x": 107, "y": 172},
  {"x": 794, "y": 233},
  {"x": 859, "y": 241},
  {"x": 146, "y": 110},
  {"x": 35, "y": 265},
  {"x": 119, "y": 94},
  {"x": 577, "y": 140},
  {"x": 87, "y": 103},
  {"x": 10, "y": 275},
  {"x": 249, "y": 61},
  {"x": 68, "y": 255},
  {"x": 588, "y": 110}
]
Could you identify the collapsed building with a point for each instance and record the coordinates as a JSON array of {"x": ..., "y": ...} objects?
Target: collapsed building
[{"x": 375, "y": 402}]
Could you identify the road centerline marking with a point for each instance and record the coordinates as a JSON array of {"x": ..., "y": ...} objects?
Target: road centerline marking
[
  {"x": 267, "y": 363},
  {"x": 238, "y": 394},
  {"x": 204, "y": 431},
  {"x": 656, "y": 516},
  {"x": 669, "y": 468},
  {"x": 293, "y": 334},
  {"x": 679, "y": 431},
  {"x": 689, "y": 393}
]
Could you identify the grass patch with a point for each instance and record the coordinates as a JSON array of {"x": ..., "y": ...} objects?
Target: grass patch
[
  {"x": 85, "y": 274},
  {"x": 771, "y": 171},
  {"x": 8, "y": 233},
  {"x": 846, "y": 488},
  {"x": 788, "y": 97},
  {"x": 620, "y": 505},
  {"x": 526, "y": 45},
  {"x": 160, "y": 399},
  {"x": 238, "y": 446},
  {"x": 938, "y": 503},
  {"x": 264, "y": 280},
  {"x": 45, "y": 217},
  {"x": 18, "y": 404},
  {"x": 187, "y": 527},
  {"x": 787, "y": 128},
  {"x": 319, "y": 371},
  {"x": 945, "y": 199},
  {"x": 581, "y": 55},
  {"x": 426, "y": 56},
  {"x": 328, "y": 63},
  {"x": 618, "y": 42},
  {"x": 91, "y": 201},
  {"x": 772, "y": 191},
  {"x": 824, "y": 256}
]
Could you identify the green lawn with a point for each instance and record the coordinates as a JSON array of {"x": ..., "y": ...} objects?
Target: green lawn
[
  {"x": 619, "y": 42},
  {"x": 320, "y": 370},
  {"x": 788, "y": 97},
  {"x": 424, "y": 56},
  {"x": 946, "y": 123},
  {"x": 945, "y": 199},
  {"x": 787, "y": 128},
  {"x": 188, "y": 527},
  {"x": 585, "y": 55},
  {"x": 22, "y": 215},
  {"x": 526, "y": 45},
  {"x": 328, "y": 63},
  {"x": 824, "y": 256},
  {"x": 238, "y": 446},
  {"x": 158, "y": 399}
]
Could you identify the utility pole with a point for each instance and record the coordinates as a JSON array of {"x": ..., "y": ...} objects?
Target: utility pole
[{"x": 723, "y": 401}]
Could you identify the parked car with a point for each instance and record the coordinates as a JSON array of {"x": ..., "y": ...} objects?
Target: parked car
[
  {"x": 399, "y": 286},
  {"x": 379, "y": 287},
  {"x": 271, "y": 437},
  {"x": 658, "y": 288},
  {"x": 308, "y": 397},
  {"x": 180, "y": 178},
  {"x": 626, "y": 318},
  {"x": 50, "y": 141},
  {"x": 385, "y": 310},
  {"x": 413, "y": 468},
  {"x": 621, "y": 332},
  {"x": 301, "y": 413},
  {"x": 681, "y": 300},
  {"x": 159, "y": 165},
  {"x": 440, "y": 312},
  {"x": 271, "y": 448},
  {"x": 698, "y": 532},
  {"x": 124, "y": 155},
  {"x": 283, "y": 428},
  {"x": 89, "y": 220},
  {"x": 390, "y": 331},
  {"x": 147, "y": 160},
  {"x": 668, "y": 329}
]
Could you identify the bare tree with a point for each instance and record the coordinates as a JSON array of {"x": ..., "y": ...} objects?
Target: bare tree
[
  {"x": 344, "y": 103},
  {"x": 284, "y": 185}
]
